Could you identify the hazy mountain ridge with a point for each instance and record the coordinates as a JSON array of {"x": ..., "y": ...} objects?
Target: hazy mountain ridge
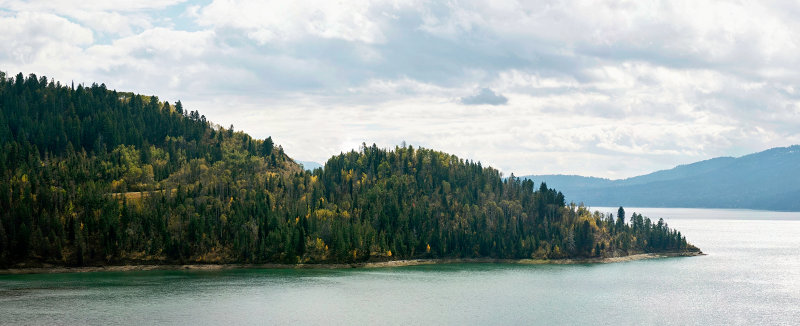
[
  {"x": 310, "y": 165},
  {"x": 765, "y": 180}
]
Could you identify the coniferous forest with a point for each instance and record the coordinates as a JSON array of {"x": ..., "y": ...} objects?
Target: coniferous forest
[{"x": 91, "y": 176}]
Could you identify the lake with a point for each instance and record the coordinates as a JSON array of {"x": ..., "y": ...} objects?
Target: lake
[{"x": 751, "y": 276}]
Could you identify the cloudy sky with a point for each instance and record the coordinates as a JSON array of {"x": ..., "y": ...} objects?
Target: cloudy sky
[{"x": 604, "y": 88}]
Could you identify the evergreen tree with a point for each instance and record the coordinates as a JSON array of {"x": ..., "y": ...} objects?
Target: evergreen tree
[{"x": 95, "y": 176}]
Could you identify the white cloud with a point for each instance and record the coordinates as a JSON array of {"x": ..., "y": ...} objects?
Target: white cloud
[
  {"x": 40, "y": 40},
  {"x": 485, "y": 96},
  {"x": 112, "y": 23},
  {"x": 87, "y": 5},
  {"x": 608, "y": 88},
  {"x": 120, "y": 18},
  {"x": 266, "y": 21}
]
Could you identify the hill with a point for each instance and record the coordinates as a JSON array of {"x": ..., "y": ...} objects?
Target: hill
[
  {"x": 767, "y": 180},
  {"x": 310, "y": 165},
  {"x": 92, "y": 176}
]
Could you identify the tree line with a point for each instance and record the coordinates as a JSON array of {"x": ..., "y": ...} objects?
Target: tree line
[{"x": 95, "y": 176}]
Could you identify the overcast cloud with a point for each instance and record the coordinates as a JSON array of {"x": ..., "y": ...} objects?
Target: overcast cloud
[
  {"x": 602, "y": 88},
  {"x": 485, "y": 96}
]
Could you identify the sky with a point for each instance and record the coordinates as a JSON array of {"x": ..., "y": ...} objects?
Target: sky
[{"x": 598, "y": 88}]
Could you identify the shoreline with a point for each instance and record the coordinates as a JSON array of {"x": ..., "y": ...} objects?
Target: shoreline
[{"x": 383, "y": 264}]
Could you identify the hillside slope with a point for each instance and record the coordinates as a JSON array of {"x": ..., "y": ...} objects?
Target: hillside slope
[
  {"x": 766, "y": 180},
  {"x": 91, "y": 176}
]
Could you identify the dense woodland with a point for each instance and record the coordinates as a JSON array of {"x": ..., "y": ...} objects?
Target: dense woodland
[{"x": 93, "y": 176}]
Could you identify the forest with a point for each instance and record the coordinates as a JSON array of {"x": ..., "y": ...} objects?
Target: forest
[{"x": 92, "y": 176}]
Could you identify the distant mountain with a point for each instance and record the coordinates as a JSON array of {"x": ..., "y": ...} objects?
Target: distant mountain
[
  {"x": 765, "y": 180},
  {"x": 310, "y": 165}
]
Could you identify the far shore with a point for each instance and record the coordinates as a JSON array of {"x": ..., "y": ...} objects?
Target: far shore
[{"x": 383, "y": 264}]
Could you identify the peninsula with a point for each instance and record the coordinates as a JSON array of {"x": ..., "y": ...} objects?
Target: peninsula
[{"x": 92, "y": 177}]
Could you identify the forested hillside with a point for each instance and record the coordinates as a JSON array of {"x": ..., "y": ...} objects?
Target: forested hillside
[{"x": 92, "y": 176}]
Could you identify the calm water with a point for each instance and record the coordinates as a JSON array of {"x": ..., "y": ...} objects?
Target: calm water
[{"x": 750, "y": 276}]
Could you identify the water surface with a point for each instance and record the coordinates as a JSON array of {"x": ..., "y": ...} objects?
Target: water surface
[{"x": 751, "y": 275}]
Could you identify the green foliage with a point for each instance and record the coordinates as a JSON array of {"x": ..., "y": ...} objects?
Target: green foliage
[{"x": 92, "y": 176}]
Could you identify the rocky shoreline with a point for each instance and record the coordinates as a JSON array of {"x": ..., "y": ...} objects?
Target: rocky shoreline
[{"x": 384, "y": 264}]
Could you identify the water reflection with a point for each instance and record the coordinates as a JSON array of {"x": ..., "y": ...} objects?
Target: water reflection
[{"x": 751, "y": 276}]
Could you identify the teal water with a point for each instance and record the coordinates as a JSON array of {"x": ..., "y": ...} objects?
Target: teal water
[{"x": 751, "y": 276}]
